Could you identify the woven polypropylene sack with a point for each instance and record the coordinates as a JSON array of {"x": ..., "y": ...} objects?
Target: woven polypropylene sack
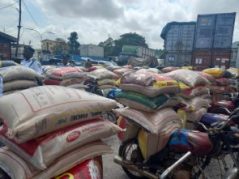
[
  {"x": 18, "y": 73},
  {"x": 37, "y": 111},
  {"x": 188, "y": 77},
  {"x": 164, "y": 120},
  {"x": 18, "y": 85},
  {"x": 41, "y": 152},
  {"x": 89, "y": 169},
  {"x": 17, "y": 168}
]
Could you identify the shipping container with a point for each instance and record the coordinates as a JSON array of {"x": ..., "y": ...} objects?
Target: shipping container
[
  {"x": 204, "y": 31},
  {"x": 211, "y": 58},
  {"x": 214, "y": 31},
  {"x": 178, "y": 36},
  {"x": 221, "y": 58},
  {"x": 224, "y": 30},
  {"x": 137, "y": 51},
  {"x": 201, "y": 59},
  {"x": 175, "y": 58}
]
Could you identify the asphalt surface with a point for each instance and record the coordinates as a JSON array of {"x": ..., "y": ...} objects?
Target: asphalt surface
[{"x": 114, "y": 171}]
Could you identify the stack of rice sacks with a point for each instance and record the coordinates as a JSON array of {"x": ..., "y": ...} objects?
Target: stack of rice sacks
[
  {"x": 148, "y": 98},
  {"x": 194, "y": 94},
  {"x": 104, "y": 78},
  {"x": 66, "y": 76},
  {"x": 17, "y": 78},
  {"x": 221, "y": 84},
  {"x": 48, "y": 130}
]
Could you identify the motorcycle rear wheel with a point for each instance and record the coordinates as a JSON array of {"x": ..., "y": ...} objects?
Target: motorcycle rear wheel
[{"x": 130, "y": 151}]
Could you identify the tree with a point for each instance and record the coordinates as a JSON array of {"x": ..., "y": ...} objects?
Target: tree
[
  {"x": 73, "y": 44},
  {"x": 108, "y": 46},
  {"x": 128, "y": 39}
]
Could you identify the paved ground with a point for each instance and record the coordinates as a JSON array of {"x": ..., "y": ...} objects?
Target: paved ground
[
  {"x": 114, "y": 171},
  {"x": 111, "y": 169}
]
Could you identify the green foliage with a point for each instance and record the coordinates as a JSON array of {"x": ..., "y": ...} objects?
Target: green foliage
[
  {"x": 115, "y": 46},
  {"x": 73, "y": 43}
]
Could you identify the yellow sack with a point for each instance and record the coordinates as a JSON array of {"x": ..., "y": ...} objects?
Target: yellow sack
[
  {"x": 187, "y": 67},
  {"x": 148, "y": 143},
  {"x": 183, "y": 86},
  {"x": 215, "y": 72},
  {"x": 166, "y": 83}
]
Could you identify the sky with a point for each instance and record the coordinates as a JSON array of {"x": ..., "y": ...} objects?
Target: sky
[{"x": 96, "y": 20}]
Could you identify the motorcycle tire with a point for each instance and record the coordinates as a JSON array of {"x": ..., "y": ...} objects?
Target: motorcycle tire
[
  {"x": 135, "y": 156},
  {"x": 4, "y": 175}
]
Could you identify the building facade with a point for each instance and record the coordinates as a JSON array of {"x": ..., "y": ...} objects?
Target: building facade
[
  {"x": 58, "y": 46},
  {"x": 6, "y": 42}
]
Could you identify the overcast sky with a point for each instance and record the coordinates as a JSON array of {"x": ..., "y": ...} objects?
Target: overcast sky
[{"x": 96, "y": 20}]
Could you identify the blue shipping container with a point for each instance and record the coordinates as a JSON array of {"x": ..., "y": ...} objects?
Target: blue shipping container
[
  {"x": 224, "y": 30},
  {"x": 179, "y": 36},
  {"x": 214, "y": 31},
  {"x": 204, "y": 31}
]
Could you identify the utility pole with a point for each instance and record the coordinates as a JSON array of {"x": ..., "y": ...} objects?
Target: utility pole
[{"x": 19, "y": 26}]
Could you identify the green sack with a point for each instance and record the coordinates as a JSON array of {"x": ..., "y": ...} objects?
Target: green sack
[{"x": 152, "y": 103}]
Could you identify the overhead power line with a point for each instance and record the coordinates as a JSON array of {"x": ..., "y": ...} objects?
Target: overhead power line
[
  {"x": 7, "y": 6},
  {"x": 29, "y": 12}
]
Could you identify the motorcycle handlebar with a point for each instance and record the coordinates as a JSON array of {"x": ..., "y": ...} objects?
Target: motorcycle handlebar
[{"x": 222, "y": 125}]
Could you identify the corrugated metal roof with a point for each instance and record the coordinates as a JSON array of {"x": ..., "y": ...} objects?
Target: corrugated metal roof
[{"x": 8, "y": 37}]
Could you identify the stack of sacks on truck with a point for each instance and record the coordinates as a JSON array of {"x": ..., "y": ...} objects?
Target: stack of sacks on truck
[
  {"x": 105, "y": 79},
  {"x": 18, "y": 77},
  {"x": 222, "y": 84},
  {"x": 66, "y": 76},
  {"x": 194, "y": 95},
  {"x": 48, "y": 130},
  {"x": 148, "y": 97}
]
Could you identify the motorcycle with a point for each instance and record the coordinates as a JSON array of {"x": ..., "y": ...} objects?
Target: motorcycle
[
  {"x": 186, "y": 155},
  {"x": 231, "y": 102}
]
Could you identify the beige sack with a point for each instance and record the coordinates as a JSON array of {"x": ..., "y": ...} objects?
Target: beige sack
[
  {"x": 17, "y": 168},
  {"x": 18, "y": 73},
  {"x": 18, "y": 84},
  {"x": 33, "y": 112},
  {"x": 102, "y": 73},
  {"x": 190, "y": 78},
  {"x": 150, "y": 91},
  {"x": 41, "y": 152},
  {"x": 154, "y": 122}
]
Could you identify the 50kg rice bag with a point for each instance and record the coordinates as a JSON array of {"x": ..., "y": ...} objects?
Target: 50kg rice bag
[
  {"x": 188, "y": 77},
  {"x": 154, "y": 122},
  {"x": 90, "y": 169},
  {"x": 17, "y": 168},
  {"x": 150, "y": 91},
  {"x": 215, "y": 72},
  {"x": 18, "y": 85},
  {"x": 141, "y": 102},
  {"x": 18, "y": 73},
  {"x": 41, "y": 152},
  {"x": 102, "y": 73},
  {"x": 60, "y": 73},
  {"x": 34, "y": 112}
]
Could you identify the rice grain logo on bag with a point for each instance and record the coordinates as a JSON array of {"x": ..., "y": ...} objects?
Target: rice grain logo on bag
[{"x": 73, "y": 136}]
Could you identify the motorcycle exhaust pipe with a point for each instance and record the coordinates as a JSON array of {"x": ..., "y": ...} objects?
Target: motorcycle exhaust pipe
[{"x": 130, "y": 166}]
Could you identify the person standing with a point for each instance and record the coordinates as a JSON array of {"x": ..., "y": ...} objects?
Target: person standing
[{"x": 30, "y": 62}]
